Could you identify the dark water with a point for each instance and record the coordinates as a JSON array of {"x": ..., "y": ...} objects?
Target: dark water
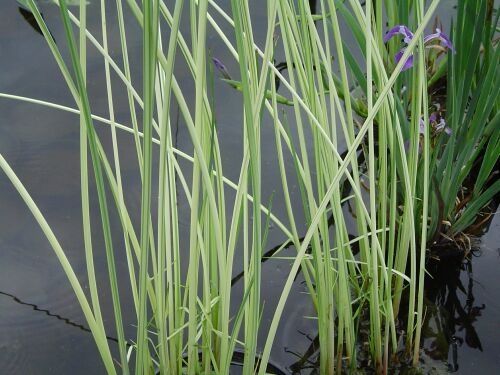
[
  {"x": 463, "y": 310},
  {"x": 42, "y": 330}
]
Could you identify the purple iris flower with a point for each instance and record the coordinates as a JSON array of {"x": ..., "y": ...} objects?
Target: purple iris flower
[
  {"x": 445, "y": 41},
  {"x": 441, "y": 126},
  {"x": 408, "y": 37},
  {"x": 221, "y": 68},
  {"x": 437, "y": 126},
  {"x": 400, "y": 29},
  {"x": 408, "y": 63}
]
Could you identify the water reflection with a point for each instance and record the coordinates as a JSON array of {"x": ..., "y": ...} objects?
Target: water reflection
[
  {"x": 450, "y": 322},
  {"x": 309, "y": 360},
  {"x": 451, "y": 311},
  {"x": 30, "y": 19},
  {"x": 64, "y": 320},
  {"x": 312, "y": 6}
]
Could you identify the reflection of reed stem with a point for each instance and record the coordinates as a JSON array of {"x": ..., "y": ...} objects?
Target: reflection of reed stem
[{"x": 57, "y": 316}]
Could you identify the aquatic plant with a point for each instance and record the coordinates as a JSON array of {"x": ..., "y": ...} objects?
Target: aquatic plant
[
  {"x": 408, "y": 36},
  {"x": 465, "y": 164},
  {"x": 181, "y": 286}
]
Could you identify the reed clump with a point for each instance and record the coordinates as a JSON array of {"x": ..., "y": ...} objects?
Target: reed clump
[{"x": 358, "y": 122}]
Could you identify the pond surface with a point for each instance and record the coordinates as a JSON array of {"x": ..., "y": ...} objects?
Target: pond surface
[{"x": 42, "y": 330}]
